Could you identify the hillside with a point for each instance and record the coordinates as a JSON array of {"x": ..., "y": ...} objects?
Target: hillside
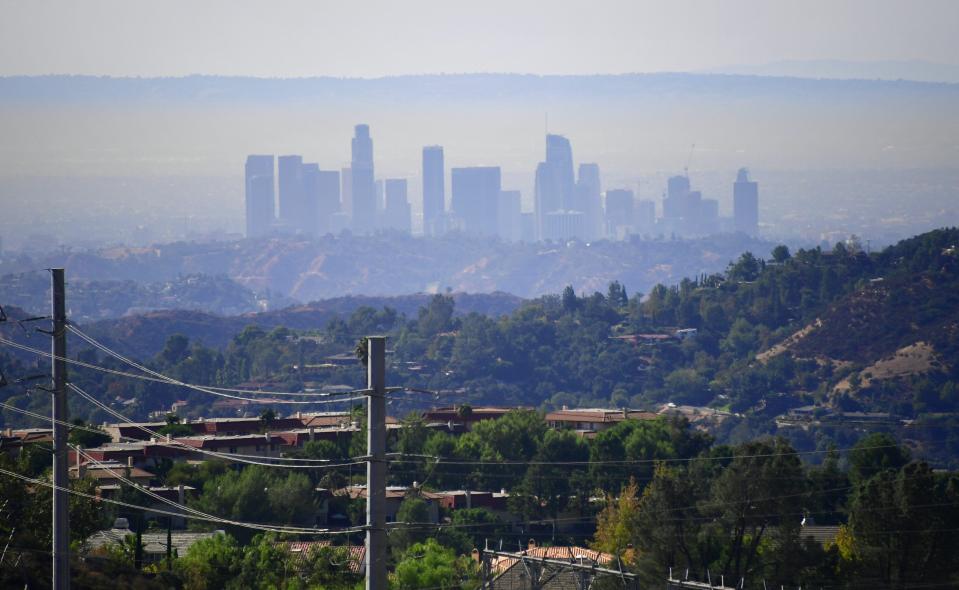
[
  {"x": 387, "y": 265},
  {"x": 840, "y": 331},
  {"x": 144, "y": 335}
]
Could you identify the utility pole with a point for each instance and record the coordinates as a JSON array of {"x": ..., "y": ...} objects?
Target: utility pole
[
  {"x": 376, "y": 464},
  {"x": 61, "y": 477}
]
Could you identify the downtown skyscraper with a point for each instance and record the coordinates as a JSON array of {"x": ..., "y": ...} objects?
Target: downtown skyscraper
[
  {"x": 555, "y": 182},
  {"x": 746, "y": 204},
  {"x": 294, "y": 210},
  {"x": 363, "y": 183},
  {"x": 434, "y": 192},
  {"x": 476, "y": 195},
  {"x": 259, "y": 195}
]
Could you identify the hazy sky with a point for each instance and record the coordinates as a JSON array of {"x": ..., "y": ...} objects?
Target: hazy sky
[{"x": 365, "y": 38}]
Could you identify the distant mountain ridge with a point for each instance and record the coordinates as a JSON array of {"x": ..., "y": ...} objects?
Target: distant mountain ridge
[
  {"x": 199, "y": 89},
  {"x": 913, "y": 70},
  {"x": 307, "y": 269}
]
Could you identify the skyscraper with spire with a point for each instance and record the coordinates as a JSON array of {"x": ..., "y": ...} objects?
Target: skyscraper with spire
[
  {"x": 363, "y": 185},
  {"x": 555, "y": 182}
]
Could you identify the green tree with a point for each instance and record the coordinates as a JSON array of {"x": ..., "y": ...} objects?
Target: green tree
[
  {"x": 430, "y": 565},
  {"x": 781, "y": 253},
  {"x": 436, "y": 317},
  {"x": 875, "y": 453},
  {"x": 904, "y": 524},
  {"x": 413, "y": 509},
  {"x": 210, "y": 564},
  {"x": 85, "y": 438}
]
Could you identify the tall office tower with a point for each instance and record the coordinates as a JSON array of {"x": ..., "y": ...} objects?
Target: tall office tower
[
  {"x": 346, "y": 191},
  {"x": 674, "y": 203},
  {"x": 476, "y": 198},
  {"x": 555, "y": 183},
  {"x": 589, "y": 193},
  {"x": 293, "y": 208},
  {"x": 559, "y": 155},
  {"x": 363, "y": 184},
  {"x": 746, "y": 204},
  {"x": 644, "y": 216},
  {"x": 326, "y": 188},
  {"x": 545, "y": 196},
  {"x": 434, "y": 191},
  {"x": 259, "y": 195},
  {"x": 309, "y": 223},
  {"x": 396, "y": 212},
  {"x": 510, "y": 213},
  {"x": 619, "y": 213}
]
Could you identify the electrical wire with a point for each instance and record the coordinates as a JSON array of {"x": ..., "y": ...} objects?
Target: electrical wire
[
  {"x": 180, "y": 445},
  {"x": 168, "y": 381},
  {"x": 193, "y": 511},
  {"x": 255, "y": 526},
  {"x": 49, "y": 419},
  {"x": 455, "y": 461},
  {"x": 102, "y": 347}
]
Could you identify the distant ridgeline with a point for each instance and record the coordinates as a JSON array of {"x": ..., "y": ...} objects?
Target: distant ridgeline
[
  {"x": 844, "y": 340},
  {"x": 250, "y": 275}
]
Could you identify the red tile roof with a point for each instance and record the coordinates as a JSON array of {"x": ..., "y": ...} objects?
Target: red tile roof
[{"x": 301, "y": 550}]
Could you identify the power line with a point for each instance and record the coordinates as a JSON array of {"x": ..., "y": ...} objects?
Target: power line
[
  {"x": 455, "y": 461},
  {"x": 193, "y": 511},
  {"x": 204, "y": 389},
  {"x": 180, "y": 445},
  {"x": 256, "y": 526},
  {"x": 48, "y": 419}
]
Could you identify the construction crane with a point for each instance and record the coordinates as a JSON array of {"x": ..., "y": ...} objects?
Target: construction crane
[{"x": 689, "y": 161}]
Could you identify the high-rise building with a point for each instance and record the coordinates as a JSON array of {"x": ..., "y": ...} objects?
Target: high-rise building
[
  {"x": 293, "y": 210},
  {"x": 674, "y": 203},
  {"x": 555, "y": 183},
  {"x": 346, "y": 192},
  {"x": 363, "y": 186},
  {"x": 589, "y": 200},
  {"x": 746, "y": 204},
  {"x": 510, "y": 213},
  {"x": 310, "y": 207},
  {"x": 323, "y": 192},
  {"x": 559, "y": 155},
  {"x": 396, "y": 212},
  {"x": 260, "y": 195},
  {"x": 644, "y": 216},
  {"x": 545, "y": 195},
  {"x": 434, "y": 191},
  {"x": 619, "y": 213},
  {"x": 475, "y": 199}
]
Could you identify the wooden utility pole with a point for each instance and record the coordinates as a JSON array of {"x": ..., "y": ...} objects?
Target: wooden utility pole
[
  {"x": 61, "y": 475},
  {"x": 376, "y": 464}
]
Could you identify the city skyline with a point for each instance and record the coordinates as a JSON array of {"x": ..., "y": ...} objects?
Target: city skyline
[{"x": 566, "y": 205}]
